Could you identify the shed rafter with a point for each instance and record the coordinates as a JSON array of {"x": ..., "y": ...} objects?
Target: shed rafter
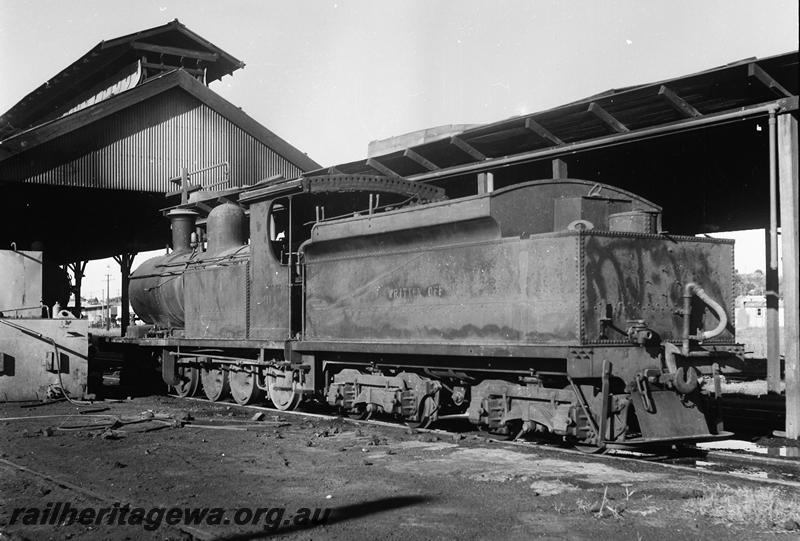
[
  {"x": 680, "y": 104},
  {"x": 467, "y": 148},
  {"x": 756, "y": 71},
  {"x": 597, "y": 110},
  {"x": 382, "y": 168},
  {"x": 421, "y": 160},
  {"x": 542, "y": 132}
]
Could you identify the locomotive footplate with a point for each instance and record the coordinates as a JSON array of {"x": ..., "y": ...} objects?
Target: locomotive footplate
[{"x": 406, "y": 394}]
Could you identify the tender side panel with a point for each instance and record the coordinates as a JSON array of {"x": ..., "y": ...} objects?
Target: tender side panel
[
  {"x": 500, "y": 291},
  {"x": 216, "y": 302},
  {"x": 629, "y": 277}
]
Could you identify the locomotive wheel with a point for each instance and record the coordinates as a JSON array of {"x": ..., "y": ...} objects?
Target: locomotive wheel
[
  {"x": 189, "y": 381},
  {"x": 505, "y": 433},
  {"x": 215, "y": 383},
  {"x": 590, "y": 449},
  {"x": 244, "y": 388},
  {"x": 358, "y": 414},
  {"x": 283, "y": 390},
  {"x": 427, "y": 408}
]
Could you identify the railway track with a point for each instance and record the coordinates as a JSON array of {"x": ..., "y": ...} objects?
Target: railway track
[{"x": 740, "y": 466}]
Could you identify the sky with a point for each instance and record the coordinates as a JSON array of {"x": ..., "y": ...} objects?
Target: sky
[{"x": 329, "y": 76}]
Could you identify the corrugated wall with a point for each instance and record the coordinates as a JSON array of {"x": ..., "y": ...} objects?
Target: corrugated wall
[{"x": 144, "y": 146}]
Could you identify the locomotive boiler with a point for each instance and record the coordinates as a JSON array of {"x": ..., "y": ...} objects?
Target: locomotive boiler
[{"x": 556, "y": 307}]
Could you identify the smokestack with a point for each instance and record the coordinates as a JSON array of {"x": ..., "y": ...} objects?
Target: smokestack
[{"x": 182, "y": 223}]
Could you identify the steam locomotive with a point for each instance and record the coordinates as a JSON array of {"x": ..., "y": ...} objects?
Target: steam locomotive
[{"x": 557, "y": 307}]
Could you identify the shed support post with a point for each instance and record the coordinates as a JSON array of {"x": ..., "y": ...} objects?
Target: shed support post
[
  {"x": 788, "y": 177},
  {"x": 485, "y": 183},
  {"x": 125, "y": 261},
  {"x": 773, "y": 323},
  {"x": 560, "y": 168},
  {"x": 77, "y": 269}
]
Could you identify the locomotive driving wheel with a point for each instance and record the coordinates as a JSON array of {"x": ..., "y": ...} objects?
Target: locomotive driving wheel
[
  {"x": 283, "y": 389},
  {"x": 215, "y": 383},
  {"x": 244, "y": 386},
  {"x": 188, "y": 381}
]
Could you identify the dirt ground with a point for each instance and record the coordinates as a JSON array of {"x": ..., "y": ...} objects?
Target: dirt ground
[{"x": 363, "y": 482}]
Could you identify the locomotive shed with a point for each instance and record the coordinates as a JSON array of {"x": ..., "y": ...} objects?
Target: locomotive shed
[{"x": 87, "y": 157}]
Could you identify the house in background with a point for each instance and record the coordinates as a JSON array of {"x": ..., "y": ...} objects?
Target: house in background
[{"x": 751, "y": 312}]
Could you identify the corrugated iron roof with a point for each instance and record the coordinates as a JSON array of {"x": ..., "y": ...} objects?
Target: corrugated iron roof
[
  {"x": 171, "y": 43},
  {"x": 31, "y": 138},
  {"x": 615, "y": 114}
]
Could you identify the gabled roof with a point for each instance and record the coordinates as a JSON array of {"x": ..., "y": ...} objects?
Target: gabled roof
[
  {"x": 160, "y": 47},
  {"x": 61, "y": 126},
  {"x": 744, "y": 88}
]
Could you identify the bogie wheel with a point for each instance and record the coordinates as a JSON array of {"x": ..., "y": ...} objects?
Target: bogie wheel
[
  {"x": 507, "y": 432},
  {"x": 283, "y": 389},
  {"x": 590, "y": 449},
  {"x": 244, "y": 386},
  {"x": 427, "y": 410},
  {"x": 188, "y": 381},
  {"x": 358, "y": 413},
  {"x": 215, "y": 383}
]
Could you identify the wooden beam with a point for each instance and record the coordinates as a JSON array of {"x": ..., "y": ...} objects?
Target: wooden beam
[
  {"x": 466, "y": 147},
  {"x": 175, "y": 51},
  {"x": 378, "y": 166},
  {"x": 754, "y": 70},
  {"x": 424, "y": 162},
  {"x": 788, "y": 149},
  {"x": 190, "y": 189},
  {"x": 165, "y": 67},
  {"x": 680, "y": 104},
  {"x": 608, "y": 118},
  {"x": 542, "y": 132},
  {"x": 560, "y": 169}
]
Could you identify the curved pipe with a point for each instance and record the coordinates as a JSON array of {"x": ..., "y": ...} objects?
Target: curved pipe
[{"x": 690, "y": 289}]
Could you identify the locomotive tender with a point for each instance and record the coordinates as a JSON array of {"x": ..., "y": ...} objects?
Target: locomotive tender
[{"x": 553, "y": 306}]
